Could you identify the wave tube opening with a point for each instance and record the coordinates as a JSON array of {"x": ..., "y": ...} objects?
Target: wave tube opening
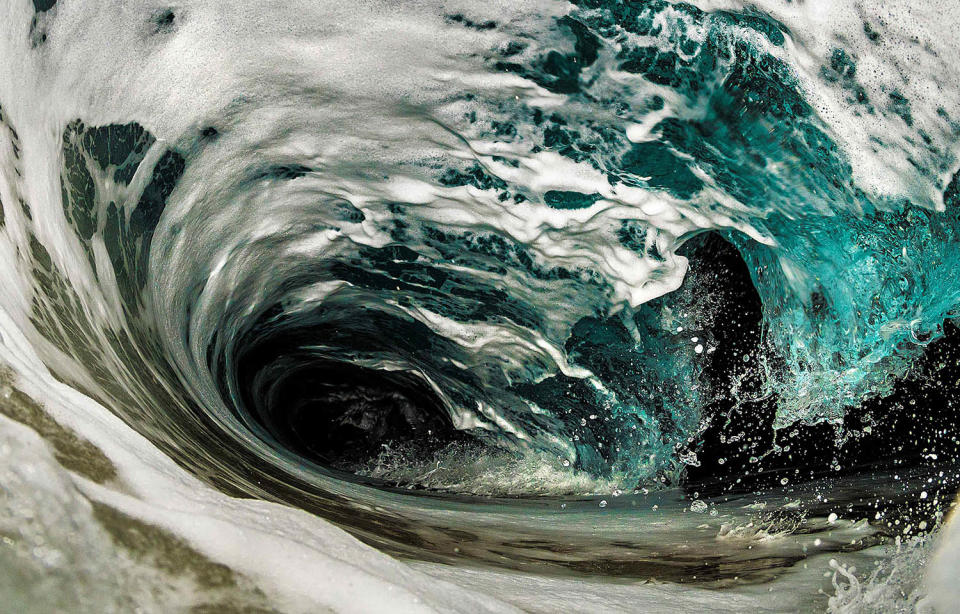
[{"x": 475, "y": 307}]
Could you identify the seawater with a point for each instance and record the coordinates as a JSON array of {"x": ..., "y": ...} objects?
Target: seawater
[{"x": 304, "y": 301}]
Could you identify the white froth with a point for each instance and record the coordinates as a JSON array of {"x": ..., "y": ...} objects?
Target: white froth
[
  {"x": 360, "y": 91},
  {"x": 940, "y": 577}
]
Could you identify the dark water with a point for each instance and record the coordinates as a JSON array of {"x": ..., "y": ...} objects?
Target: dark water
[{"x": 600, "y": 292}]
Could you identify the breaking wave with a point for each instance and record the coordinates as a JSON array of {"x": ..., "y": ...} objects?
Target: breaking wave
[{"x": 371, "y": 260}]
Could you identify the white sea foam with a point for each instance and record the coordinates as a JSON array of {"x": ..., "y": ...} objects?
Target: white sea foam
[
  {"x": 362, "y": 92},
  {"x": 60, "y": 556},
  {"x": 940, "y": 577},
  {"x": 914, "y": 55}
]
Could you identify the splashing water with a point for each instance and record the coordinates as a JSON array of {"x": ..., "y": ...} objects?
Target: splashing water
[{"x": 267, "y": 263}]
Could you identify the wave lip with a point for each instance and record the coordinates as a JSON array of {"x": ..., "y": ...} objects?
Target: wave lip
[
  {"x": 438, "y": 248},
  {"x": 495, "y": 228}
]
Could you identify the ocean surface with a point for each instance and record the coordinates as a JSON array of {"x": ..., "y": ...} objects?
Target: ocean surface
[{"x": 473, "y": 306}]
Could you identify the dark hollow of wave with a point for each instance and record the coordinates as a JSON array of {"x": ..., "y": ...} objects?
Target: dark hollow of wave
[{"x": 340, "y": 415}]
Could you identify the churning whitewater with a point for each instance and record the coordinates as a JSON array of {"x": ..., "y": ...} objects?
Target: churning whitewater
[{"x": 478, "y": 306}]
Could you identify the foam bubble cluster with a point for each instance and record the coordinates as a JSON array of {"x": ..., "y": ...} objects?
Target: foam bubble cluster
[{"x": 274, "y": 238}]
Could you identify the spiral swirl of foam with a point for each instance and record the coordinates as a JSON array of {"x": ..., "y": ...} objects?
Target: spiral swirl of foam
[
  {"x": 455, "y": 209},
  {"x": 268, "y": 235}
]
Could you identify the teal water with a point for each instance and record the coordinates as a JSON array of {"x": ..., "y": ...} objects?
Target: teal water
[{"x": 463, "y": 248}]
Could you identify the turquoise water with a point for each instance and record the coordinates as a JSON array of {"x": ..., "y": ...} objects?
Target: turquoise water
[
  {"x": 853, "y": 282},
  {"x": 465, "y": 247}
]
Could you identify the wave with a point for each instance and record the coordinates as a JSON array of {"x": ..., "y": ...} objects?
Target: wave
[{"x": 303, "y": 248}]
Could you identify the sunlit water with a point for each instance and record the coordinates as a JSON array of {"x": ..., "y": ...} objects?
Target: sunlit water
[{"x": 476, "y": 306}]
